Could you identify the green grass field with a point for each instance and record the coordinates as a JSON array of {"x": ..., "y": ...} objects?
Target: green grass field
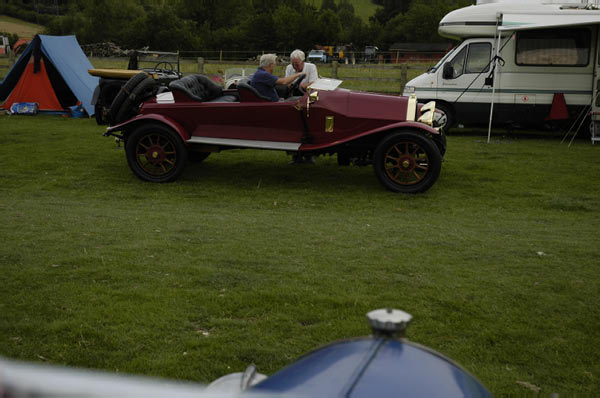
[
  {"x": 20, "y": 27},
  {"x": 246, "y": 259}
]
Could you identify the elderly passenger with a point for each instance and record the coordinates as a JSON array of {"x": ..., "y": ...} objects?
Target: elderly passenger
[{"x": 298, "y": 65}]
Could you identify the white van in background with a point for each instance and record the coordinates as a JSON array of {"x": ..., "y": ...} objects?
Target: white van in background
[{"x": 546, "y": 70}]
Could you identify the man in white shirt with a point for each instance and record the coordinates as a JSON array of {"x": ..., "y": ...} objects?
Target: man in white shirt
[{"x": 298, "y": 65}]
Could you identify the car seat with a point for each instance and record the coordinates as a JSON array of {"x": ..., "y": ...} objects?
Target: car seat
[
  {"x": 197, "y": 87},
  {"x": 249, "y": 93}
]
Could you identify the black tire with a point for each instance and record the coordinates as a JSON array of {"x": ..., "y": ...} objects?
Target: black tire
[
  {"x": 143, "y": 90},
  {"x": 155, "y": 153},
  {"x": 447, "y": 120},
  {"x": 125, "y": 91},
  {"x": 407, "y": 162},
  {"x": 197, "y": 157}
]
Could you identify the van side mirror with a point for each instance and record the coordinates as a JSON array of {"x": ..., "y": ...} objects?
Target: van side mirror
[{"x": 448, "y": 71}]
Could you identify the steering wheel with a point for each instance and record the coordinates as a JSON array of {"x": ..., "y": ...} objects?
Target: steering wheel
[
  {"x": 168, "y": 67},
  {"x": 295, "y": 86}
]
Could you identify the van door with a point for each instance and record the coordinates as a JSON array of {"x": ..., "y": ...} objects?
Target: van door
[
  {"x": 462, "y": 81},
  {"x": 595, "y": 125}
]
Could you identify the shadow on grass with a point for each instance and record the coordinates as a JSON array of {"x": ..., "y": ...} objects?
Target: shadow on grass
[{"x": 254, "y": 170}]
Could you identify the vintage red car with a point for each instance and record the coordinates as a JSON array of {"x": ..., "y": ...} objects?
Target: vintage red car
[{"x": 195, "y": 117}]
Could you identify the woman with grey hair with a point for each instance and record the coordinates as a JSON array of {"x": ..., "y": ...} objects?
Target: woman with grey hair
[
  {"x": 297, "y": 64},
  {"x": 264, "y": 81}
]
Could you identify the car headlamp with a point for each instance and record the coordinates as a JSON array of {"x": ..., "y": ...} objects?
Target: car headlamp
[{"x": 427, "y": 113}]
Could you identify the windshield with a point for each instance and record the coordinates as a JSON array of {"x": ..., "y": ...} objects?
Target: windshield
[
  {"x": 325, "y": 84},
  {"x": 441, "y": 61}
]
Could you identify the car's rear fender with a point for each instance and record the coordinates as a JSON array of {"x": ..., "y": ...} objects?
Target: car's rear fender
[
  {"x": 149, "y": 118},
  {"x": 413, "y": 126}
]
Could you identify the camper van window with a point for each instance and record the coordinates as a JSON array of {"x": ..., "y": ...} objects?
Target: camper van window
[
  {"x": 458, "y": 63},
  {"x": 443, "y": 60},
  {"x": 553, "y": 47},
  {"x": 479, "y": 57}
]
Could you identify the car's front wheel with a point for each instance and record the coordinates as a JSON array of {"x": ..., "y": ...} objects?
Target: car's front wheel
[
  {"x": 155, "y": 153},
  {"x": 407, "y": 162}
]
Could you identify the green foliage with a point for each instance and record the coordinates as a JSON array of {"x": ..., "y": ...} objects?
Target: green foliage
[
  {"x": 419, "y": 23},
  {"x": 389, "y": 9},
  {"x": 329, "y": 5},
  {"x": 329, "y": 27},
  {"x": 248, "y": 24},
  {"x": 25, "y": 11}
]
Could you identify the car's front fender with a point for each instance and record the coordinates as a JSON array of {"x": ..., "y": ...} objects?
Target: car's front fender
[
  {"x": 425, "y": 129},
  {"x": 149, "y": 118}
]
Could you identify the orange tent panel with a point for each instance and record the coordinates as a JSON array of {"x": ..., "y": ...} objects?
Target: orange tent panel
[{"x": 34, "y": 87}]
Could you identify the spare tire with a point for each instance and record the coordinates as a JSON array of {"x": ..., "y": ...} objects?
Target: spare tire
[
  {"x": 123, "y": 94},
  {"x": 146, "y": 88}
]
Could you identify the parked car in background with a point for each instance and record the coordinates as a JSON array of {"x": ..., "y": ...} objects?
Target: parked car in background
[{"x": 317, "y": 56}]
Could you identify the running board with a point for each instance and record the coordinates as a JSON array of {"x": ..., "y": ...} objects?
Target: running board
[{"x": 282, "y": 146}]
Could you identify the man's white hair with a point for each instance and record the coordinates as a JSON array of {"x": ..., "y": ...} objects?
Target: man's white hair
[
  {"x": 297, "y": 54},
  {"x": 267, "y": 59}
]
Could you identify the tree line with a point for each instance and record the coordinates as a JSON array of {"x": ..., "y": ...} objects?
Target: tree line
[{"x": 194, "y": 25}]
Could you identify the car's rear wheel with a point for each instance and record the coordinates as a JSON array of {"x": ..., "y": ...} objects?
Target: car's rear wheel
[
  {"x": 155, "y": 153},
  {"x": 407, "y": 162}
]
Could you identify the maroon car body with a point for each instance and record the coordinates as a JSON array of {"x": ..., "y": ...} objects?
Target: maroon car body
[{"x": 196, "y": 118}]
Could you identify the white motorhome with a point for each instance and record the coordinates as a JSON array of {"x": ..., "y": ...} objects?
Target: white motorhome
[{"x": 547, "y": 65}]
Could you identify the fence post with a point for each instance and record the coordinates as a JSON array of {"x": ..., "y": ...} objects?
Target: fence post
[
  {"x": 201, "y": 65},
  {"x": 11, "y": 58},
  {"x": 220, "y": 55},
  {"x": 334, "y": 67},
  {"x": 403, "y": 76}
]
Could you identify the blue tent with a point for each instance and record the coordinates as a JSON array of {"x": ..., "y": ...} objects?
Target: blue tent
[{"x": 58, "y": 60}]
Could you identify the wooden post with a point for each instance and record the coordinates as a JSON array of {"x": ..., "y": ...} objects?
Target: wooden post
[
  {"x": 220, "y": 55},
  {"x": 201, "y": 65},
  {"x": 334, "y": 68},
  {"x": 403, "y": 76}
]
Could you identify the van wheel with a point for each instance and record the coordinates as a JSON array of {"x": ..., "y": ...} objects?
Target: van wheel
[
  {"x": 407, "y": 162},
  {"x": 155, "y": 153},
  {"x": 444, "y": 117}
]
